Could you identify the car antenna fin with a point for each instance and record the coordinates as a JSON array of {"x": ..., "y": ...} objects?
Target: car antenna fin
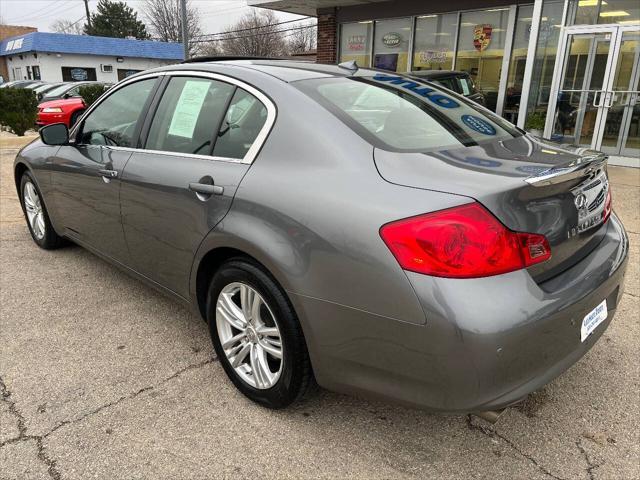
[{"x": 352, "y": 66}]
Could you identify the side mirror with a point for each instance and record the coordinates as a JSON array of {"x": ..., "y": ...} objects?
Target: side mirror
[{"x": 55, "y": 134}]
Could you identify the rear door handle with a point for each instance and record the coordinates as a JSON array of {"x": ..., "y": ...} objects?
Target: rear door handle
[
  {"x": 206, "y": 189},
  {"x": 108, "y": 173}
]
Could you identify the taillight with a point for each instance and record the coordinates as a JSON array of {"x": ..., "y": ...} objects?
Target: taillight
[
  {"x": 462, "y": 242},
  {"x": 607, "y": 206}
]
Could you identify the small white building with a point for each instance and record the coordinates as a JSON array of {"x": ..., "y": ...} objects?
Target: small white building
[{"x": 59, "y": 57}]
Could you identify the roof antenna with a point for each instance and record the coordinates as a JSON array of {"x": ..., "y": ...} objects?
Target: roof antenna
[{"x": 352, "y": 66}]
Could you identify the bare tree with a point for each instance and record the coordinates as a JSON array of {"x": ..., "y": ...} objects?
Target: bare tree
[
  {"x": 165, "y": 22},
  {"x": 255, "y": 34},
  {"x": 303, "y": 39},
  {"x": 67, "y": 26}
]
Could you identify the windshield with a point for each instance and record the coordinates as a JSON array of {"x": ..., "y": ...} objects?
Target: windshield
[
  {"x": 58, "y": 90},
  {"x": 400, "y": 114}
]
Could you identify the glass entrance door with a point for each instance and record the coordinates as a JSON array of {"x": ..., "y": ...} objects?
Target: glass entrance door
[
  {"x": 621, "y": 129},
  {"x": 579, "y": 100},
  {"x": 597, "y": 99}
]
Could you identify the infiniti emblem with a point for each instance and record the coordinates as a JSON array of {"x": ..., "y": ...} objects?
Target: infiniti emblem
[{"x": 580, "y": 201}]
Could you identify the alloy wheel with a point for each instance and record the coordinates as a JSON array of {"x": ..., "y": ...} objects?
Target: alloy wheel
[
  {"x": 33, "y": 207},
  {"x": 249, "y": 335}
]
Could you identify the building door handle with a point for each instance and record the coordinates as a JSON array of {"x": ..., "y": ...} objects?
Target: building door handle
[{"x": 206, "y": 189}]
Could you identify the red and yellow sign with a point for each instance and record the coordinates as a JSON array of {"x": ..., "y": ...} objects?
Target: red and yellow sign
[{"x": 482, "y": 37}]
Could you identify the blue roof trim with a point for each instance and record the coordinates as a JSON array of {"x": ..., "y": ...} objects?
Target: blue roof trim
[{"x": 90, "y": 45}]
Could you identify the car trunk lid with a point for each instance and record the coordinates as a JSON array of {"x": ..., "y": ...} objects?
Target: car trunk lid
[{"x": 528, "y": 184}]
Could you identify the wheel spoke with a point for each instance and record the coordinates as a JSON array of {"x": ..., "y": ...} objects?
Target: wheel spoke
[
  {"x": 229, "y": 311},
  {"x": 237, "y": 360},
  {"x": 40, "y": 222},
  {"x": 233, "y": 340},
  {"x": 271, "y": 349},
  {"x": 268, "y": 331},
  {"x": 247, "y": 298},
  {"x": 259, "y": 367}
]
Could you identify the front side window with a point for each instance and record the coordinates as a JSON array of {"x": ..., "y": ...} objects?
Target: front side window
[
  {"x": 188, "y": 115},
  {"x": 398, "y": 114},
  {"x": 113, "y": 121}
]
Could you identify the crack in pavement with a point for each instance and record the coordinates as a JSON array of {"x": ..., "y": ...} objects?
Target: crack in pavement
[
  {"x": 590, "y": 465},
  {"x": 22, "y": 433},
  {"x": 52, "y": 469},
  {"x": 492, "y": 432}
]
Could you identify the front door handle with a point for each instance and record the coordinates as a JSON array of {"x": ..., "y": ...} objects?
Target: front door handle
[
  {"x": 108, "y": 173},
  {"x": 206, "y": 189}
]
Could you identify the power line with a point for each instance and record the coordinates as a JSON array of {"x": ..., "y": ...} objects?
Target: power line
[
  {"x": 254, "y": 28},
  {"x": 254, "y": 34}
]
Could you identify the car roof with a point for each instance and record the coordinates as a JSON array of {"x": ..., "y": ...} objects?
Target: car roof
[{"x": 285, "y": 70}]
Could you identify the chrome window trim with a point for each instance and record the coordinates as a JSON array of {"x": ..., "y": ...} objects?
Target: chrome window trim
[{"x": 257, "y": 144}]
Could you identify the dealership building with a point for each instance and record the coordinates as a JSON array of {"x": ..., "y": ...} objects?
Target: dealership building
[
  {"x": 59, "y": 57},
  {"x": 574, "y": 64}
]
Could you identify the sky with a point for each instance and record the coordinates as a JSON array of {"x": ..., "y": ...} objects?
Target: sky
[{"x": 215, "y": 14}]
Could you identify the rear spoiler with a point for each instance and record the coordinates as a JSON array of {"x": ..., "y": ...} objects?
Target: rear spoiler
[{"x": 588, "y": 166}]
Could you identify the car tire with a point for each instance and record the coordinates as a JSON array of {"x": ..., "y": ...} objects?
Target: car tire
[
  {"x": 74, "y": 118},
  {"x": 36, "y": 215},
  {"x": 277, "y": 383}
]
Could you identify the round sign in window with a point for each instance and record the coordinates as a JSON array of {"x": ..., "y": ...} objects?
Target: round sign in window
[
  {"x": 478, "y": 124},
  {"x": 391, "y": 39}
]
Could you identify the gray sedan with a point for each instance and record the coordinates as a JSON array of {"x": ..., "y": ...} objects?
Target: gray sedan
[{"x": 374, "y": 233}]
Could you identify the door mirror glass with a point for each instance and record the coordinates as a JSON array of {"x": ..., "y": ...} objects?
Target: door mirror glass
[{"x": 55, "y": 134}]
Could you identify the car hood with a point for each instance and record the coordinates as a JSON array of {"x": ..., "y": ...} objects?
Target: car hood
[{"x": 61, "y": 103}]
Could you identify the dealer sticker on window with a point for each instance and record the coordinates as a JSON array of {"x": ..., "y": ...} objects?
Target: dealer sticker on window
[{"x": 594, "y": 318}]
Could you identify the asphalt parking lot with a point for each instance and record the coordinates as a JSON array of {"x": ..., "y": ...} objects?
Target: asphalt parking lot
[{"x": 102, "y": 377}]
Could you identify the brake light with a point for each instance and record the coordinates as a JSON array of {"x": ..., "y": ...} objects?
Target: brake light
[
  {"x": 608, "y": 205},
  {"x": 462, "y": 242}
]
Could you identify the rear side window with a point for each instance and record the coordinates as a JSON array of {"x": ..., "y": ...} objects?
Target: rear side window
[
  {"x": 405, "y": 115},
  {"x": 242, "y": 123},
  {"x": 189, "y": 115}
]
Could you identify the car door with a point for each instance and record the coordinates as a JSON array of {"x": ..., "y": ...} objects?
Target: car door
[
  {"x": 198, "y": 146},
  {"x": 85, "y": 175}
]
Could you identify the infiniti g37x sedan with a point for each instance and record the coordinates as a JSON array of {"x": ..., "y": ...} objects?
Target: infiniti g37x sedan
[{"x": 373, "y": 233}]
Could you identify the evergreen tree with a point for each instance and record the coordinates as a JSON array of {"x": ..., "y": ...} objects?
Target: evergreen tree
[{"x": 115, "y": 19}]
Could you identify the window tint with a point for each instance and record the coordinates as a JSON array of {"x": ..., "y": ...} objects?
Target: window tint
[
  {"x": 189, "y": 115},
  {"x": 113, "y": 122},
  {"x": 244, "y": 119},
  {"x": 399, "y": 114}
]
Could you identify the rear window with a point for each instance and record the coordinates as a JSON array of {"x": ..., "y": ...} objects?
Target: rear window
[{"x": 399, "y": 114}]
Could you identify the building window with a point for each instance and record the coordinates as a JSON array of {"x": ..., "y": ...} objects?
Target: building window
[
  {"x": 548, "y": 39},
  {"x": 78, "y": 74},
  {"x": 519, "y": 52},
  {"x": 592, "y": 12},
  {"x": 355, "y": 43},
  {"x": 391, "y": 44},
  {"x": 36, "y": 72},
  {"x": 481, "y": 48},
  {"x": 434, "y": 42},
  {"x": 29, "y": 73},
  {"x": 124, "y": 73}
]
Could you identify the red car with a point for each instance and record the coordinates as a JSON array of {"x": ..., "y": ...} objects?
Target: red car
[{"x": 65, "y": 111}]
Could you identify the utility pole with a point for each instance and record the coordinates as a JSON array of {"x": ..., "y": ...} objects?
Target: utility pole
[
  {"x": 185, "y": 33},
  {"x": 86, "y": 7}
]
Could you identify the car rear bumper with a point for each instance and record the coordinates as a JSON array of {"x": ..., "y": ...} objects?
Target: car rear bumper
[
  {"x": 49, "y": 118},
  {"x": 486, "y": 343}
]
